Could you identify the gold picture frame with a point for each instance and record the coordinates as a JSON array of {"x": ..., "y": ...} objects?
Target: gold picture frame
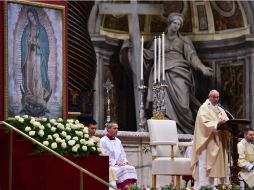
[{"x": 34, "y": 59}]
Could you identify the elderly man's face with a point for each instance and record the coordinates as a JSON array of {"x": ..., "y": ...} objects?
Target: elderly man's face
[
  {"x": 214, "y": 98},
  {"x": 113, "y": 130}
]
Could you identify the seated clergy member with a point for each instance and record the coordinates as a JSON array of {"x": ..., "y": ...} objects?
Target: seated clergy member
[
  {"x": 246, "y": 157},
  {"x": 112, "y": 147},
  {"x": 92, "y": 127}
]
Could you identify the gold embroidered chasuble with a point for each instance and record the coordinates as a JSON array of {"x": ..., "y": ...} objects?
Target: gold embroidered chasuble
[
  {"x": 206, "y": 136},
  {"x": 246, "y": 158}
]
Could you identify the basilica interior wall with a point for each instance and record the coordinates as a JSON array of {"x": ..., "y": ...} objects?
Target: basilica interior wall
[{"x": 222, "y": 35}]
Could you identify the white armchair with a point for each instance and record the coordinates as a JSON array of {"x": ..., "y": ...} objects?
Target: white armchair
[{"x": 165, "y": 152}]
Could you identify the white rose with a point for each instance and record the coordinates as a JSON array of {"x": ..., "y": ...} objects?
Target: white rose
[
  {"x": 58, "y": 140},
  {"x": 71, "y": 142},
  {"x": 48, "y": 125},
  {"x": 25, "y": 116},
  {"x": 68, "y": 137},
  {"x": 73, "y": 126},
  {"x": 63, "y": 145},
  {"x": 77, "y": 122},
  {"x": 55, "y": 135},
  {"x": 53, "y": 129},
  {"x": 17, "y": 117},
  {"x": 70, "y": 120},
  {"x": 99, "y": 150},
  {"x": 64, "y": 134},
  {"x": 84, "y": 148},
  {"x": 50, "y": 137},
  {"x": 46, "y": 143},
  {"x": 77, "y": 145},
  {"x": 60, "y": 119},
  {"x": 97, "y": 139},
  {"x": 85, "y": 130},
  {"x": 52, "y": 121},
  {"x": 79, "y": 133},
  {"x": 60, "y": 126},
  {"x": 31, "y": 133},
  {"x": 41, "y": 133},
  {"x": 74, "y": 149},
  {"x": 75, "y": 138},
  {"x": 93, "y": 148},
  {"x": 44, "y": 119},
  {"x": 82, "y": 141},
  {"x": 27, "y": 129},
  {"x": 36, "y": 124},
  {"x": 21, "y": 120},
  {"x": 41, "y": 127},
  {"x": 68, "y": 129},
  {"x": 90, "y": 143},
  {"x": 81, "y": 125},
  {"x": 54, "y": 145},
  {"x": 32, "y": 121},
  {"x": 86, "y": 135}
]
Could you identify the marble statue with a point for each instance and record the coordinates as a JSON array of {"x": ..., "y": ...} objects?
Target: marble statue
[{"x": 180, "y": 61}]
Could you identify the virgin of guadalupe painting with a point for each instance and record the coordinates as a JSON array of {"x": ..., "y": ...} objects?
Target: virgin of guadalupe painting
[
  {"x": 35, "y": 87},
  {"x": 35, "y": 60}
]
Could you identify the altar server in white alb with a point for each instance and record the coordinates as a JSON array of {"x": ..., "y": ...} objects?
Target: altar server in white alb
[
  {"x": 246, "y": 157},
  {"x": 112, "y": 147}
]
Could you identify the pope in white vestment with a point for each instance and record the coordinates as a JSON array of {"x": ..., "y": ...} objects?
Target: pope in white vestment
[
  {"x": 112, "y": 147},
  {"x": 246, "y": 157},
  {"x": 209, "y": 157}
]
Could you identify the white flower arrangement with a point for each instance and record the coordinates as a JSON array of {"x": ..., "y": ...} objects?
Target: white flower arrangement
[{"x": 67, "y": 137}]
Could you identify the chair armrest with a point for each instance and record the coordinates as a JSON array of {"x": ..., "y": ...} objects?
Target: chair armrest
[
  {"x": 171, "y": 143},
  {"x": 153, "y": 143},
  {"x": 185, "y": 144}
]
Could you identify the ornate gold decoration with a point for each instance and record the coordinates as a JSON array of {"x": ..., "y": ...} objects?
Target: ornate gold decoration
[{"x": 160, "y": 116}]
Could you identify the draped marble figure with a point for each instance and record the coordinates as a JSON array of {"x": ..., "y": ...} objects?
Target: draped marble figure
[
  {"x": 180, "y": 59},
  {"x": 35, "y": 87}
]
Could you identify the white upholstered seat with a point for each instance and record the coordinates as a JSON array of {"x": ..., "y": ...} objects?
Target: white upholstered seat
[{"x": 163, "y": 136}]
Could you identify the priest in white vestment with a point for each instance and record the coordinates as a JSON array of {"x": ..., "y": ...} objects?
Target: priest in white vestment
[
  {"x": 246, "y": 157},
  {"x": 112, "y": 147},
  {"x": 209, "y": 157}
]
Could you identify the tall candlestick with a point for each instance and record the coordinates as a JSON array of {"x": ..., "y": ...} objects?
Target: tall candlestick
[
  {"x": 163, "y": 56},
  {"x": 159, "y": 59},
  {"x": 142, "y": 44},
  {"x": 155, "y": 60}
]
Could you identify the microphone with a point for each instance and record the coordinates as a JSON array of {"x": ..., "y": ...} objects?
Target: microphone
[{"x": 232, "y": 117}]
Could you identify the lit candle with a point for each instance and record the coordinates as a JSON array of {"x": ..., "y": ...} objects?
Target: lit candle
[
  {"x": 159, "y": 59},
  {"x": 142, "y": 44},
  {"x": 155, "y": 60},
  {"x": 163, "y": 56}
]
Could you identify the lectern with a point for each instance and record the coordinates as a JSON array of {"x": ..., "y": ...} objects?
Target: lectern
[{"x": 234, "y": 126}]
